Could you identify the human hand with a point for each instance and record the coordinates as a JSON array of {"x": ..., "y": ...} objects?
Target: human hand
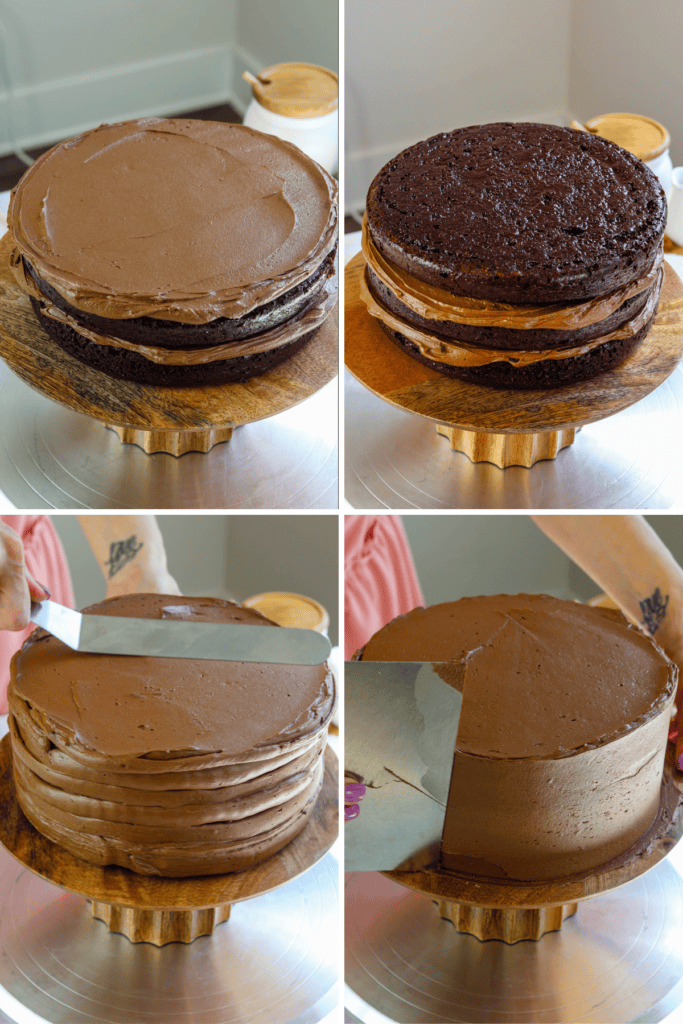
[
  {"x": 17, "y": 586},
  {"x": 354, "y": 792}
]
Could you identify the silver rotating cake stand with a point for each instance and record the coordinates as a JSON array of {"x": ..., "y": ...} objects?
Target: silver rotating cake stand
[
  {"x": 633, "y": 459},
  {"x": 620, "y": 959},
  {"x": 53, "y": 457},
  {"x": 272, "y": 963}
]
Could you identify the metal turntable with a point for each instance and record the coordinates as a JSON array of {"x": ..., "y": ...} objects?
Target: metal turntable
[
  {"x": 274, "y": 962},
  {"x": 53, "y": 457},
  {"x": 605, "y": 947}
]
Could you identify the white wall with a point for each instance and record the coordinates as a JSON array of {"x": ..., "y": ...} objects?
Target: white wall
[
  {"x": 628, "y": 55},
  {"x": 414, "y": 69},
  {"x": 229, "y": 556},
  {"x": 75, "y": 63},
  {"x": 271, "y": 33},
  {"x": 467, "y": 555},
  {"x": 72, "y": 64},
  {"x": 460, "y": 556}
]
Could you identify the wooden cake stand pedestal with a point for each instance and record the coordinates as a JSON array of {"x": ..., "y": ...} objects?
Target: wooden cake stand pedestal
[
  {"x": 156, "y": 910},
  {"x": 514, "y": 911},
  {"x": 507, "y": 428},
  {"x": 157, "y": 419}
]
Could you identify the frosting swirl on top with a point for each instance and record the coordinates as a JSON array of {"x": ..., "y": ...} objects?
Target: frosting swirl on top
[{"x": 173, "y": 219}]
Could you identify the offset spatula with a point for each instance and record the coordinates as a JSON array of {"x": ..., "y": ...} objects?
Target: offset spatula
[{"x": 172, "y": 638}]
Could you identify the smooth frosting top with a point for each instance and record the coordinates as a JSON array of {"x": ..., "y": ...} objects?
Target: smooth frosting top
[
  {"x": 174, "y": 219},
  {"x": 540, "y": 677},
  {"x": 123, "y": 706}
]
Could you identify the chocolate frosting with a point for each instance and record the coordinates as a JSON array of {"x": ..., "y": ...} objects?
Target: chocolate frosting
[
  {"x": 452, "y": 353},
  {"x": 166, "y": 765},
  {"x": 173, "y": 219},
  {"x": 311, "y": 319},
  {"x": 562, "y": 733},
  {"x": 434, "y": 303}
]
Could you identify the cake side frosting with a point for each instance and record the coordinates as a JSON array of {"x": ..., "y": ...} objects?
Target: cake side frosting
[
  {"x": 562, "y": 735},
  {"x": 173, "y": 219},
  {"x": 167, "y": 766}
]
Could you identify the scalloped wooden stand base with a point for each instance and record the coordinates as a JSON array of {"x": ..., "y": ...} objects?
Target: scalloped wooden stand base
[
  {"x": 173, "y": 442},
  {"x": 507, "y": 924},
  {"x": 507, "y": 449},
  {"x": 160, "y": 926}
]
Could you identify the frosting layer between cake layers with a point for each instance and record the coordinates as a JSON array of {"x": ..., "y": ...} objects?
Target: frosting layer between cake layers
[
  {"x": 167, "y": 766},
  {"x": 562, "y": 735}
]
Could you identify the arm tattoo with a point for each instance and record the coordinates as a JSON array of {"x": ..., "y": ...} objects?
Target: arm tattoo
[
  {"x": 653, "y": 609},
  {"x": 121, "y": 552}
]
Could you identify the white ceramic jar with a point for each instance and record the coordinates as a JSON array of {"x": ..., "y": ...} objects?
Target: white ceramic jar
[{"x": 298, "y": 103}]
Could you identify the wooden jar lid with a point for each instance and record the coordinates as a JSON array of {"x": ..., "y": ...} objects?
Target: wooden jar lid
[
  {"x": 642, "y": 136},
  {"x": 293, "y": 610},
  {"x": 296, "y": 90}
]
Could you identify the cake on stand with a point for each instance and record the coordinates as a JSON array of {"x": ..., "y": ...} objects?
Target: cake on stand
[
  {"x": 506, "y": 429},
  {"x": 163, "y": 421},
  {"x": 256, "y": 945},
  {"x": 429, "y": 946}
]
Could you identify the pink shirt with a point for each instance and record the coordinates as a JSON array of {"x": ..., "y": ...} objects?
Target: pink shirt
[
  {"x": 380, "y": 581},
  {"x": 46, "y": 561}
]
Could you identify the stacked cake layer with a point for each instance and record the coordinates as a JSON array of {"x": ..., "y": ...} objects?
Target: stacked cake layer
[
  {"x": 515, "y": 255},
  {"x": 563, "y": 730},
  {"x": 177, "y": 252},
  {"x": 167, "y": 766}
]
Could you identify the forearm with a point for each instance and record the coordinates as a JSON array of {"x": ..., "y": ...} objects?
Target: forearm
[
  {"x": 626, "y": 558},
  {"x": 130, "y": 552}
]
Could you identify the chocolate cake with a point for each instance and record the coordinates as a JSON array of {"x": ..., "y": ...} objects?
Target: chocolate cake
[
  {"x": 166, "y": 766},
  {"x": 515, "y": 255},
  {"x": 176, "y": 252},
  {"x": 562, "y": 734}
]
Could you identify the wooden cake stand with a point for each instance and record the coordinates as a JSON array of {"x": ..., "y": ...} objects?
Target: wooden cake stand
[
  {"x": 158, "y": 419},
  {"x": 507, "y": 428},
  {"x": 512, "y": 911},
  {"x": 164, "y": 910}
]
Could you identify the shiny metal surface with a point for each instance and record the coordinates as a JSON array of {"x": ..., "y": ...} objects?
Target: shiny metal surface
[
  {"x": 618, "y": 960},
  {"x": 157, "y": 638},
  {"x": 51, "y": 457},
  {"x": 634, "y": 459},
  {"x": 272, "y": 963}
]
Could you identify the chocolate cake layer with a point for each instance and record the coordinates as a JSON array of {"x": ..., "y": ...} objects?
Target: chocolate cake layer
[
  {"x": 518, "y": 213},
  {"x": 179, "y": 235},
  {"x": 162, "y": 765},
  {"x": 562, "y": 734},
  {"x": 534, "y": 339},
  {"x": 547, "y": 373},
  {"x": 145, "y": 330},
  {"x": 125, "y": 364}
]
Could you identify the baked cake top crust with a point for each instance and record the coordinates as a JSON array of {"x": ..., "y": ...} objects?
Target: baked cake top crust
[
  {"x": 120, "y": 706},
  {"x": 518, "y": 213},
  {"x": 540, "y": 677},
  {"x": 173, "y": 219}
]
